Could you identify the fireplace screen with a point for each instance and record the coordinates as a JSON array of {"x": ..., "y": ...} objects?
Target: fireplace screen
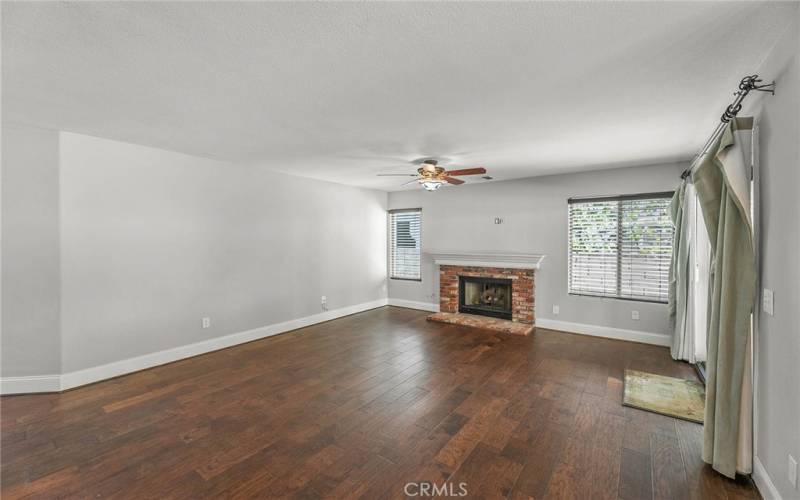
[{"x": 485, "y": 296}]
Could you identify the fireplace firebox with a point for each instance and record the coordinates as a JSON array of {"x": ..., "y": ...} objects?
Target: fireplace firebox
[{"x": 485, "y": 296}]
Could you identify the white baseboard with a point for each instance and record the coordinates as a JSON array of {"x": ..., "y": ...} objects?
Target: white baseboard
[
  {"x": 763, "y": 482},
  {"x": 30, "y": 384},
  {"x": 605, "y": 331},
  {"x": 413, "y": 304},
  {"x": 55, "y": 383},
  {"x": 584, "y": 329}
]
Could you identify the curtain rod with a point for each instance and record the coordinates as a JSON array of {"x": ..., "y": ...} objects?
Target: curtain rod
[{"x": 748, "y": 84}]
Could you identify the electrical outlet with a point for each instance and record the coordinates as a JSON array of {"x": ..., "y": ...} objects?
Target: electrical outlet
[
  {"x": 635, "y": 315},
  {"x": 324, "y": 302},
  {"x": 556, "y": 310},
  {"x": 793, "y": 471},
  {"x": 767, "y": 301},
  {"x": 205, "y": 322}
]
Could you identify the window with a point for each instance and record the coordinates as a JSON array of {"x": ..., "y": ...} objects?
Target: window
[
  {"x": 404, "y": 244},
  {"x": 620, "y": 246}
]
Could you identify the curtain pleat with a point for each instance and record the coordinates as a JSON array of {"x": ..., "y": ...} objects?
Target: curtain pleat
[{"x": 679, "y": 279}]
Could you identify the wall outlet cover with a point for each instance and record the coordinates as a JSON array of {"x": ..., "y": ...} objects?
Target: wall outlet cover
[
  {"x": 205, "y": 322},
  {"x": 768, "y": 301},
  {"x": 556, "y": 310},
  {"x": 635, "y": 315}
]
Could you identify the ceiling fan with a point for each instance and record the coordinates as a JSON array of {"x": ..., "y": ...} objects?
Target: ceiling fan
[{"x": 431, "y": 176}]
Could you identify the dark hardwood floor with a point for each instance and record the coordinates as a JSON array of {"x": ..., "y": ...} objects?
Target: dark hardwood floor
[{"x": 358, "y": 407}]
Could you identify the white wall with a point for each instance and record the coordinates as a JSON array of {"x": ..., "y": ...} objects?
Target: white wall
[
  {"x": 113, "y": 251},
  {"x": 152, "y": 241},
  {"x": 30, "y": 264},
  {"x": 778, "y": 343},
  {"x": 534, "y": 210}
]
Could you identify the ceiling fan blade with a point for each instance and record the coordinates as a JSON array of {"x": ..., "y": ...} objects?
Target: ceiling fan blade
[
  {"x": 467, "y": 171},
  {"x": 453, "y": 180},
  {"x": 407, "y": 183},
  {"x": 396, "y": 175}
]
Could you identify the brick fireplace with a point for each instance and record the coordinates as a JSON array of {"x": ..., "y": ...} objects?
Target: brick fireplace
[
  {"x": 522, "y": 288},
  {"x": 487, "y": 305}
]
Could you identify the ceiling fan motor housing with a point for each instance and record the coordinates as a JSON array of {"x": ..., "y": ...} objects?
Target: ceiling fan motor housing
[{"x": 429, "y": 168}]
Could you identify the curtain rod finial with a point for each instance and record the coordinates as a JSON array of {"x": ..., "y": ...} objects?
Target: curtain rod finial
[{"x": 749, "y": 83}]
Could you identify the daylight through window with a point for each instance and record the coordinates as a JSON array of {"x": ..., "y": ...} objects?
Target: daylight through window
[{"x": 620, "y": 246}]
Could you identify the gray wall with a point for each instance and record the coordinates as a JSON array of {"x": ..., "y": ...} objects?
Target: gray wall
[
  {"x": 152, "y": 241},
  {"x": 113, "y": 250},
  {"x": 534, "y": 210},
  {"x": 30, "y": 264},
  {"x": 778, "y": 348}
]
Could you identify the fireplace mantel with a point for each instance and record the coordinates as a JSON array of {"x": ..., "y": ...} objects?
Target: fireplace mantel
[{"x": 510, "y": 261}]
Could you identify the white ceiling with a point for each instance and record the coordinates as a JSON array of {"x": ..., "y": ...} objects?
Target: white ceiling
[{"x": 343, "y": 91}]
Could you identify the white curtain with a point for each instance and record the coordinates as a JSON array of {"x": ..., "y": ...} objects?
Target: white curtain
[
  {"x": 699, "y": 260},
  {"x": 689, "y": 337}
]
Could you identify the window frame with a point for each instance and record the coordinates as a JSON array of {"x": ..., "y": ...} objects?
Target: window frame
[
  {"x": 610, "y": 198},
  {"x": 389, "y": 246}
]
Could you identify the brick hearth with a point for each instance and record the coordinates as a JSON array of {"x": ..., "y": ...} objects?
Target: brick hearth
[
  {"x": 495, "y": 324},
  {"x": 522, "y": 288}
]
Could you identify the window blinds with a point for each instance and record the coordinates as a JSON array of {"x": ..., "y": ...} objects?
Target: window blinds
[
  {"x": 405, "y": 244},
  {"x": 620, "y": 246}
]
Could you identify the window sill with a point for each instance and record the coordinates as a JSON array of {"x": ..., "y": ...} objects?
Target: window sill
[
  {"x": 405, "y": 279},
  {"x": 628, "y": 299}
]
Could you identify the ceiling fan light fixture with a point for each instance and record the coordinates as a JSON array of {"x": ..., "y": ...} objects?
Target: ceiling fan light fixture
[{"x": 431, "y": 184}]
